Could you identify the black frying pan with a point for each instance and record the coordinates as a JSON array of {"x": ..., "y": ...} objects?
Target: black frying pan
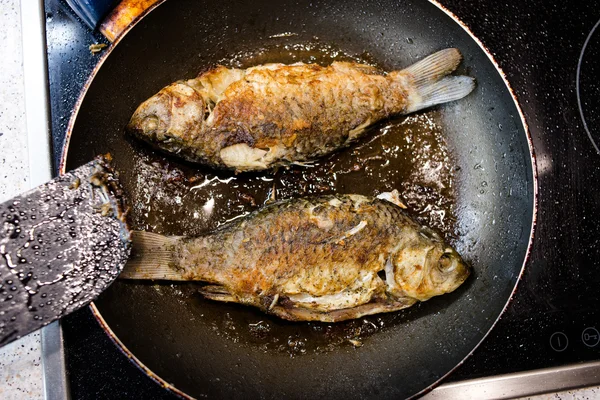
[{"x": 482, "y": 199}]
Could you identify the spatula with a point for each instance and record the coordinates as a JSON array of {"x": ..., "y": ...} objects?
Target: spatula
[{"x": 61, "y": 245}]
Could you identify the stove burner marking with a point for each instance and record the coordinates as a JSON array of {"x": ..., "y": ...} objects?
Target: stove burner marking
[{"x": 585, "y": 125}]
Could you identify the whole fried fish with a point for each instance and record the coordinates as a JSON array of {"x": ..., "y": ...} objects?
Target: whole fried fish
[
  {"x": 276, "y": 114},
  {"x": 327, "y": 258}
]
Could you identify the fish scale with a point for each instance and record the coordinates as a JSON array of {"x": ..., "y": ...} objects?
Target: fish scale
[
  {"x": 326, "y": 258},
  {"x": 276, "y": 114}
]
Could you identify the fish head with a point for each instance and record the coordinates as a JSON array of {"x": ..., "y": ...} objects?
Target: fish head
[
  {"x": 428, "y": 267},
  {"x": 171, "y": 118}
]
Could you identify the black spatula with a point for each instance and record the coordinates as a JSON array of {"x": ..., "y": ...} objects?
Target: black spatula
[{"x": 61, "y": 245}]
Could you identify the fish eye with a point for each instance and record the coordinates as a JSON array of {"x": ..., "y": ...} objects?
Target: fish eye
[
  {"x": 446, "y": 262},
  {"x": 150, "y": 123}
]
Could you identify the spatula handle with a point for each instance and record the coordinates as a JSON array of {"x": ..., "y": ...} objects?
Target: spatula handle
[{"x": 110, "y": 17}]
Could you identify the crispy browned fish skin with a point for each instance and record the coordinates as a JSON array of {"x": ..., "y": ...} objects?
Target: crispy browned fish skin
[
  {"x": 319, "y": 259},
  {"x": 279, "y": 114}
]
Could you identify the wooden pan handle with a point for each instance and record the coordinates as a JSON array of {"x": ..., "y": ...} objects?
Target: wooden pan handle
[{"x": 122, "y": 16}]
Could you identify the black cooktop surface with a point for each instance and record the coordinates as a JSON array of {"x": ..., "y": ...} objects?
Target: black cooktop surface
[{"x": 550, "y": 52}]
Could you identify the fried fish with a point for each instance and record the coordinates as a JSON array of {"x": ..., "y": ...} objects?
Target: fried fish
[
  {"x": 328, "y": 258},
  {"x": 276, "y": 114}
]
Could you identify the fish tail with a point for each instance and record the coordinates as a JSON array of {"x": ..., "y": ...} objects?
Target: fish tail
[
  {"x": 152, "y": 257},
  {"x": 429, "y": 83}
]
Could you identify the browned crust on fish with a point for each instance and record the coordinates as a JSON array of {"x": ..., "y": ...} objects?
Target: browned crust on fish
[
  {"x": 276, "y": 114},
  {"x": 292, "y": 112},
  {"x": 326, "y": 258},
  {"x": 311, "y": 259},
  {"x": 292, "y": 104},
  {"x": 298, "y": 235}
]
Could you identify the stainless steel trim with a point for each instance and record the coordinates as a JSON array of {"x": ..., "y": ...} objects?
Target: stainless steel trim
[
  {"x": 520, "y": 384},
  {"x": 37, "y": 115},
  {"x": 53, "y": 363},
  {"x": 37, "y": 107}
]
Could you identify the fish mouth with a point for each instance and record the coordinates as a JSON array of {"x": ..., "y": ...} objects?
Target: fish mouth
[
  {"x": 144, "y": 127},
  {"x": 152, "y": 118},
  {"x": 149, "y": 123},
  {"x": 152, "y": 129}
]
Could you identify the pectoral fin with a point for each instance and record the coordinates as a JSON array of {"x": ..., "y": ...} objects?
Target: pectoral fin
[
  {"x": 217, "y": 293},
  {"x": 294, "y": 312}
]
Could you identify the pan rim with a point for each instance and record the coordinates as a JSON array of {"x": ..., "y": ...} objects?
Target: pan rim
[{"x": 532, "y": 158}]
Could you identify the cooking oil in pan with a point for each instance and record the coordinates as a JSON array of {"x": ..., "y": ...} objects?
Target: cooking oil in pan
[{"x": 405, "y": 153}]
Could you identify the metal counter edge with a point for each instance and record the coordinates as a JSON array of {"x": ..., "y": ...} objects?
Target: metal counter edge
[{"x": 37, "y": 112}]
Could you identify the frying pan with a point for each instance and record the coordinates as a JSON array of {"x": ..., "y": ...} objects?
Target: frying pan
[{"x": 198, "y": 348}]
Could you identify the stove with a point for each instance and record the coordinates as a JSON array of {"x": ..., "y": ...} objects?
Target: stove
[{"x": 549, "y": 51}]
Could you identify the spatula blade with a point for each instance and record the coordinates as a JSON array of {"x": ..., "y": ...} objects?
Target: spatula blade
[{"x": 61, "y": 245}]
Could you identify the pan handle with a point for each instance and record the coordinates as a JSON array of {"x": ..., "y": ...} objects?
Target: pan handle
[{"x": 110, "y": 17}]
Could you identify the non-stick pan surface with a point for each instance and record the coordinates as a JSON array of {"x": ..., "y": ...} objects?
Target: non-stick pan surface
[{"x": 464, "y": 168}]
